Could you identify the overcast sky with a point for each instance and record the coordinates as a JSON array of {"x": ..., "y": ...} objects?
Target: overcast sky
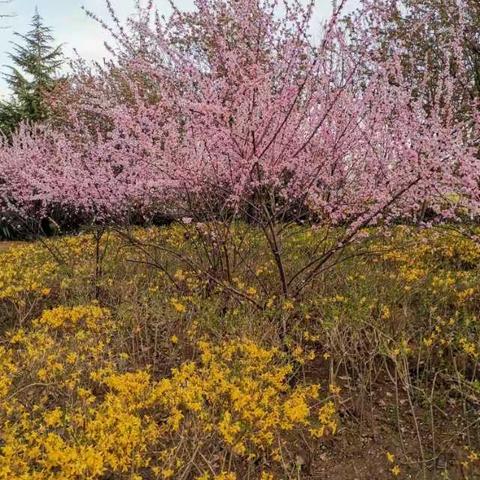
[{"x": 75, "y": 30}]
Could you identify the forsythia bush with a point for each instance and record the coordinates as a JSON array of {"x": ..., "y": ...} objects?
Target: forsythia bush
[
  {"x": 440, "y": 270},
  {"x": 139, "y": 386},
  {"x": 70, "y": 409},
  {"x": 26, "y": 270},
  {"x": 31, "y": 272}
]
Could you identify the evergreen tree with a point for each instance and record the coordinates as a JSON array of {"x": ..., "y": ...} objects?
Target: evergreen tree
[{"x": 36, "y": 63}]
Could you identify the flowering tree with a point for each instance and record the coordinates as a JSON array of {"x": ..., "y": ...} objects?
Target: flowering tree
[
  {"x": 234, "y": 112},
  {"x": 433, "y": 37}
]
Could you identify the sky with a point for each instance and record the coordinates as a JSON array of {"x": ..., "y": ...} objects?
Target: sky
[{"x": 72, "y": 28}]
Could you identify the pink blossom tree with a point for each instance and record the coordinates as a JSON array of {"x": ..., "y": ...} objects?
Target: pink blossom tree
[{"x": 233, "y": 112}]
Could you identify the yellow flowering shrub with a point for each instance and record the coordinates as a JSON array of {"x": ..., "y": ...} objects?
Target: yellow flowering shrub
[
  {"x": 145, "y": 389},
  {"x": 62, "y": 345},
  {"x": 7, "y": 370},
  {"x": 26, "y": 269},
  {"x": 439, "y": 270},
  {"x": 32, "y": 272},
  {"x": 69, "y": 410}
]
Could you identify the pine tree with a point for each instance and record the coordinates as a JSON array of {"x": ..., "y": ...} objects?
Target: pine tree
[{"x": 36, "y": 63}]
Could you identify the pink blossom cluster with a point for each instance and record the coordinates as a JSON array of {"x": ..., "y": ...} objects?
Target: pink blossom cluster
[{"x": 234, "y": 105}]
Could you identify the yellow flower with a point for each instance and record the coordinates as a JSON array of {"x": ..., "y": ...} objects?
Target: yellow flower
[
  {"x": 334, "y": 389},
  {"x": 53, "y": 418},
  {"x": 251, "y": 291},
  {"x": 395, "y": 470},
  {"x": 203, "y": 476},
  {"x": 390, "y": 457},
  {"x": 473, "y": 456},
  {"x": 296, "y": 409},
  {"x": 226, "y": 476},
  {"x": 180, "y": 275},
  {"x": 71, "y": 358},
  {"x": 327, "y": 419},
  {"x": 428, "y": 342},
  {"x": 179, "y": 307},
  {"x": 288, "y": 305},
  {"x": 385, "y": 312},
  {"x": 229, "y": 429}
]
